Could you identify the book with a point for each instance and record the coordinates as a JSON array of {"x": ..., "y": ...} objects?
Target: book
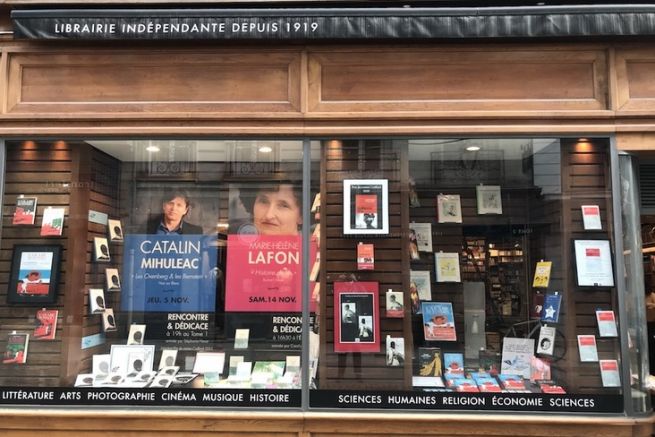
[
  {"x": 591, "y": 218},
  {"x": 46, "y": 324},
  {"x": 167, "y": 359},
  {"x": 395, "y": 354},
  {"x": 394, "y": 304},
  {"x": 449, "y": 208},
  {"x": 542, "y": 274},
  {"x": 427, "y": 381},
  {"x": 546, "y": 342},
  {"x": 101, "y": 249},
  {"x": 438, "y": 321},
  {"x": 112, "y": 279},
  {"x": 53, "y": 222},
  {"x": 101, "y": 364},
  {"x": 517, "y": 356},
  {"x": 609, "y": 373},
  {"x": 537, "y": 305},
  {"x": 412, "y": 246},
  {"x": 16, "y": 349},
  {"x": 447, "y": 266},
  {"x": 429, "y": 361},
  {"x": 108, "y": 320},
  {"x": 512, "y": 382},
  {"x": 587, "y": 348},
  {"x": 206, "y": 362},
  {"x": 115, "y": 230},
  {"x": 234, "y": 363},
  {"x": 97, "y": 301},
  {"x": 487, "y": 384},
  {"x": 264, "y": 372},
  {"x": 552, "y": 304},
  {"x": 539, "y": 369},
  {"x": 489, "y": 199},
  {"x": 453, "y": 363},
  {"x": 489, "y": 362},
  {"x": 423, "y": 233},
  {"x": 606, "y": 323},
  {"x": 25, "y": 212},
  {"x": 366, "y": 211},
  {"x": 241, "y": 337},
  {"x": 552, "y": 389},
  {"x": 136, "y": 334},
  {"x": 365, "y": 256},
  {"x": 420, "y": 280},
  {"x": 465, "y": 385}
]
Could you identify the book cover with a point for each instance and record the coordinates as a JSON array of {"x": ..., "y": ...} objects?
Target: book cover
[
  {"x": 429, "y": 361},
  {"x": 587, "y": 348},
  {"x": 108, "y": 320},
  {"x": 96, "y": 301},
  {"x": 427, "y": 381},
  {"x": 606, "y": 323},
  {"x": 241, "y": 337},
  {"x": 465, "y": 385},
  {"x": 453, "y": 363},
  {"x": 552, "y": 304},
  {"x": 542, "y": 274},
  {"x": 609, "y": 373},
  {"x": 489, "y": 199},
  {"x": 136, "y": 334},
  {"x": 395, "y": 307},
  {"x": 101, "y": 364},
  {"x": 489, "y": 362},
  {"x": 438, "y": 321},
  {"x": 537, "y": 305},
  {"x": 449, "y": 208},
  {"x": 101, "y": 249},
  {"x": 447, "y": 266},
  {"x": 16, "y": 349},
  {"x": 53, "y": 222},
  {"x": 395, "y": 354},
  {"x": 512, "y": 382},
  {"x": 412, "y": 246},
  {"x": 423, "y": 233},
  {"x": 517, "y": 356},
  {"x": 112, "y": 279},
  {"x": 487, "y": 384},
  {"x": 366, "y": 209},
  {"x": 546, "y": 342},
  {"x": 591, "y": 218},
  {"x": 539, "y": 369},
  {"x": 115, "y": 230},
  {"x": 264, "y": 372},
  {"x": 420, "y": 287},
  {"x": 233, "y": 364},
  {"x": 552, "y": 389},
  {"x": 365, "y": 256},
  {"x": 46, "y": 324},
  {"x": 207, "y": 362},
  {"x": 167, "y": 359},
  {"x": 25, "y": 213}
]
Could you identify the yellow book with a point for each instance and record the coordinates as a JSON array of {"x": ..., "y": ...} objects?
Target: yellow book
[{"x": 542, "y": 274}]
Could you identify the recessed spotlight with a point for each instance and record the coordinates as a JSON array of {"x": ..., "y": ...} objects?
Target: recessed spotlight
[
  {"x": 153, "y": 149},
  {"x": 583, "y": 140},
  {"x": 265, "y": 149},
  {"x": 473, "y": 148}
]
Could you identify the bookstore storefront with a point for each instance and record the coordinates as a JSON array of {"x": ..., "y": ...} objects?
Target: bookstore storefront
[{"x": 264, "y": 240}]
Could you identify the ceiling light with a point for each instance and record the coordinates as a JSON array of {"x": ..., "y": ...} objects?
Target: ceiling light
[
  {"x": 152, "y": 149},
  {"x": 265, "y": 149},
  {"x": 473, "y": 148}
]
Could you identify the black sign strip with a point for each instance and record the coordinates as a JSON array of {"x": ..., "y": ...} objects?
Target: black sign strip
[{"x": 332, "y": 24}]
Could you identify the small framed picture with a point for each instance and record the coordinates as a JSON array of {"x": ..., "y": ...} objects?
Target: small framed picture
[
  {"x": 132, "y": 359},
  {"x": 356, "y": 314},
  {"x": 489, "y": 199},
  {"x": 365, "y": 206},
  {"x": 101, "y": 249},
  {"x": 34, "y": 275},
  {"x": 168, "y": 357},
  {"x": 115, "y": 230},
  {"x": 112, "y": 279},
  {"x": 449, "y": 208}
]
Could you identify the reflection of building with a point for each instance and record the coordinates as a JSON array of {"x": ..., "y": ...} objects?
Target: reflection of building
[{"x": 104, "y": 127}]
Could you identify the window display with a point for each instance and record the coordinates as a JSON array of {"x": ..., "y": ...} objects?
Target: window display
[{"x": 432, "y": 274}]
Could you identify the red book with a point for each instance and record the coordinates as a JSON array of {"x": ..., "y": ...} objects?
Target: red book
[{"x": 46, "y": 324}]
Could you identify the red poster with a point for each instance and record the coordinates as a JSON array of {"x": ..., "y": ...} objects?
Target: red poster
[
  {"x": 264, "y": 273},
  {"x": 356, "y": 317}
]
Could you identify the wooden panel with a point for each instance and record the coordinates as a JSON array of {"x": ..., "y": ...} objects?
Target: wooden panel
[
  {"x": 114, "y": 81},
  {"x": 635, "y": 77},
  {"x": 432, "y": 80}
]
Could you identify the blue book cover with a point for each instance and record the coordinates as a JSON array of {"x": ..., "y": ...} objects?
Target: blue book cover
[
  {"x": 453, "y": 363},
  {"x": 438, "y": 321},
  {"x": 550, "y": 311}
]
